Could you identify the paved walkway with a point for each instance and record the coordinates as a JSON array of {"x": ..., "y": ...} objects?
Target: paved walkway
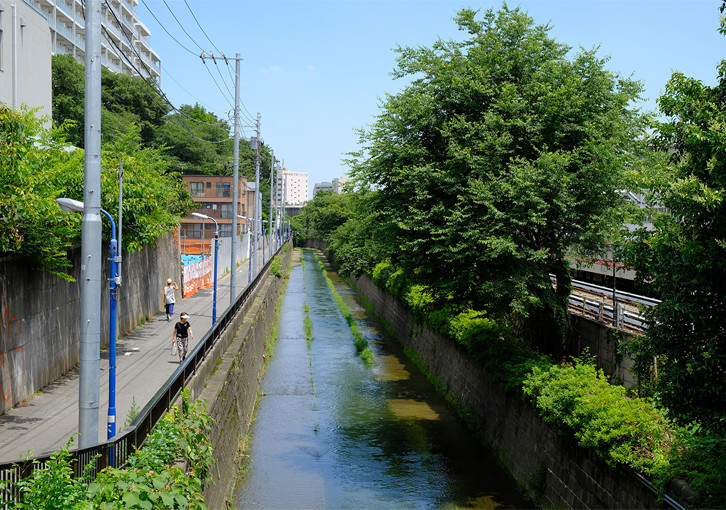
[{"x": 47, "y": 420}]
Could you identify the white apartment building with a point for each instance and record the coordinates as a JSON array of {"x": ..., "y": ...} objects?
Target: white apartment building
[
  {"x": 124, "y": 44},
  {"x": 292, "y": 187},
  {"x": 25, "y": 49}
]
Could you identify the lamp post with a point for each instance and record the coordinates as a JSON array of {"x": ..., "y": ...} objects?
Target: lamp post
[
  {"x": 216, "y": 253},
  {"x": 70, "y": 205}
]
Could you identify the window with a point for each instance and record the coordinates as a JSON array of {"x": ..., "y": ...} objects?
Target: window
[
  {"x": 192, "y": 230},
  {"x": 227, "y": 211},
  {"x": 223, "y": 189},
  {"x": 225, "y": 230},
  {"x": 242, "y": 210},
  {"x": 196, "y": 189}
]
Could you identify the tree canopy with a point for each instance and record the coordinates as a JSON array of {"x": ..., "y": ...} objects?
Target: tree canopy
[
  {"x": 501, "y": 156},
  {"x": 125, "y": 100},
  {"x": 682, "y": 256},
  {"x": 38, "y": 168}
]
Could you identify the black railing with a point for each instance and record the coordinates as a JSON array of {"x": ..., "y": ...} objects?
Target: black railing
[{"x": 132, "y": 438}]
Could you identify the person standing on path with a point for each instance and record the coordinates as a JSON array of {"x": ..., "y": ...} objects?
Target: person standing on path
[
  {"x": 182, "y": 332},
  {"x": 169, "y": 298}
]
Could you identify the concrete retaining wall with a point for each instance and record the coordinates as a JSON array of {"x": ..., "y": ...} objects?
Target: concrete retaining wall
[
  {"x": 40, "y": 314},
  {"x": 230, "y": 379},
  {"x": 606, "y": 344},
  {"x": 551, "y": 468}
]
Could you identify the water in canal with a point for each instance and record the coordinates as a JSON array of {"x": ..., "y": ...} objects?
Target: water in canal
[{"x": 334, "y": 432}]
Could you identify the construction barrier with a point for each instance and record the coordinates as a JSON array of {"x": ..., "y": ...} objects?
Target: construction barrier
[{"x": 197, "y": 275}]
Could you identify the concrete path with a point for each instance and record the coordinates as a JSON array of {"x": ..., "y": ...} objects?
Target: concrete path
[{"x": 46, "y": 421}]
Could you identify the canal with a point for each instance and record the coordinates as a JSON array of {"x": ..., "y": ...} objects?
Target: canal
[{"x": 332, "y": 431}]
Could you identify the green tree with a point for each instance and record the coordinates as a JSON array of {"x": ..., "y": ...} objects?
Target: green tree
[
  {"x": 68, "y": 100},
  {"x": 197, "y": 142},
  {"x": 125, "y": 100},
  {"x": 38, "y": 168},
  {"x": 31, "y": 223},
  {"x": 682, "y": 257},
  {"x": 500, "y": 157},
  {"x": 322, "y": 216}
]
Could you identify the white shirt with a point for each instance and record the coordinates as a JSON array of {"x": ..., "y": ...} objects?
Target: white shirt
[{"x": 169, "y": 294}]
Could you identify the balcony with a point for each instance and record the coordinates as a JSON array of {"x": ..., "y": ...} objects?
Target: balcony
[
  {"x": 65, "y": 32},
  {"x": 66, "y": 10}
]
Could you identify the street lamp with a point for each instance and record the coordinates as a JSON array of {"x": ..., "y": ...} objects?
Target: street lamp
[
  {"x": 70, "y": 205},
  {"x": 216, "y": 253}
]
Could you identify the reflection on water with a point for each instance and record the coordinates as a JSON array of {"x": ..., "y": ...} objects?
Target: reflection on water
[{"x": 331, "y": 432}]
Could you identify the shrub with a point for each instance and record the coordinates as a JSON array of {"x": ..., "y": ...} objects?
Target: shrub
[
  {"x": 420, "y": 299},
  {"x": 275, "y": 267},
  {"x": 577, "y": 398},
  {"x": 471, "y": 329},
  {"x": 381, "y": 273},
  {"x": 397, "y": 283}
]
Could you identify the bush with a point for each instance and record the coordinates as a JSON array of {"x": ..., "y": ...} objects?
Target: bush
[
  {"x": 420, "y": 299},
  {"x": 150, "y": 481},
  {"x": 472, "y": 329},
  {"x": 577, "y": 398},
  {"x": 381, "y": 273},
  {"x": 275, "y": 267}
]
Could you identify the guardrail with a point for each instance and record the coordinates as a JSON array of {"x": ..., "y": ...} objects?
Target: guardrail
[
  {"x": 608, "y": 305},
  {"x": 132, "y": 438}
]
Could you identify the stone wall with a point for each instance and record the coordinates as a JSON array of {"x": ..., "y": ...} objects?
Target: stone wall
[
  {"x": 39, "y": 329},
  {"x": 551, "y": 468},
  {"x": 230, "y": 379}
]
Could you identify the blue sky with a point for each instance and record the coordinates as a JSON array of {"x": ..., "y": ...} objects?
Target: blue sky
[{"x": 317, "y": 70}]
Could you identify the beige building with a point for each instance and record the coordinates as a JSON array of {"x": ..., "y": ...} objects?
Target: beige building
[{"x": 25, "y": 50}]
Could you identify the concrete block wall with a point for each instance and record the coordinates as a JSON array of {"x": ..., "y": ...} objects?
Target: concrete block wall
[
  {"x": 599, "y": 339},
  {"x": 550, "y": 467},
  {"x": 40, "y": 314},
  {"x": 230, "y": 379}
]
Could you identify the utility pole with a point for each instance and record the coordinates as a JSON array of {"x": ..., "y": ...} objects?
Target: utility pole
[
  {"x": 235, "y": 171},
  {"x": 257, "y": 217},
  {"x": 235, "y": 186},
  {"x": 272, "y": 187},
  {"x": 90, "y": 284}
]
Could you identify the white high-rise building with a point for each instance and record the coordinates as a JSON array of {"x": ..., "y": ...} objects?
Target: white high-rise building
[
  {"x": 124, "y": 45},
  {"x": 292, "y": 187},
  {"x": 25, "y": 49}
]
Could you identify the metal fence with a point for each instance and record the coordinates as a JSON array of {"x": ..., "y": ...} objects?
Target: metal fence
[{"x": 132, "y": 438}]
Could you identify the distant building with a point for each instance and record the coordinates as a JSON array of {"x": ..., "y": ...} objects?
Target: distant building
[
  {"x": 213, "y": 194},
  {"x": 339, "y": 183},
  {"x": 292, "y": 187},
  {"x": 25, "y": 74},
  {"x": 336, "y": 186},
  {"x": 322, "y": 186}
]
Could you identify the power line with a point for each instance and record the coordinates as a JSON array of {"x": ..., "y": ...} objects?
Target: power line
[
  {"x": 182, "y": 26},
  {"x": 202, "y": 29},
  {"x": 164, "y": 28}
]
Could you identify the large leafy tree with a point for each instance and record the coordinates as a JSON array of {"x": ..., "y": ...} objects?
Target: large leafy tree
[
  {"x": 501, "y": 156},
  {"x": 38, "y": 168},
  {"x": 125, "y": 100},
  {"x": 682, "y": 257},
  {"x": 196, "y": 141}
]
